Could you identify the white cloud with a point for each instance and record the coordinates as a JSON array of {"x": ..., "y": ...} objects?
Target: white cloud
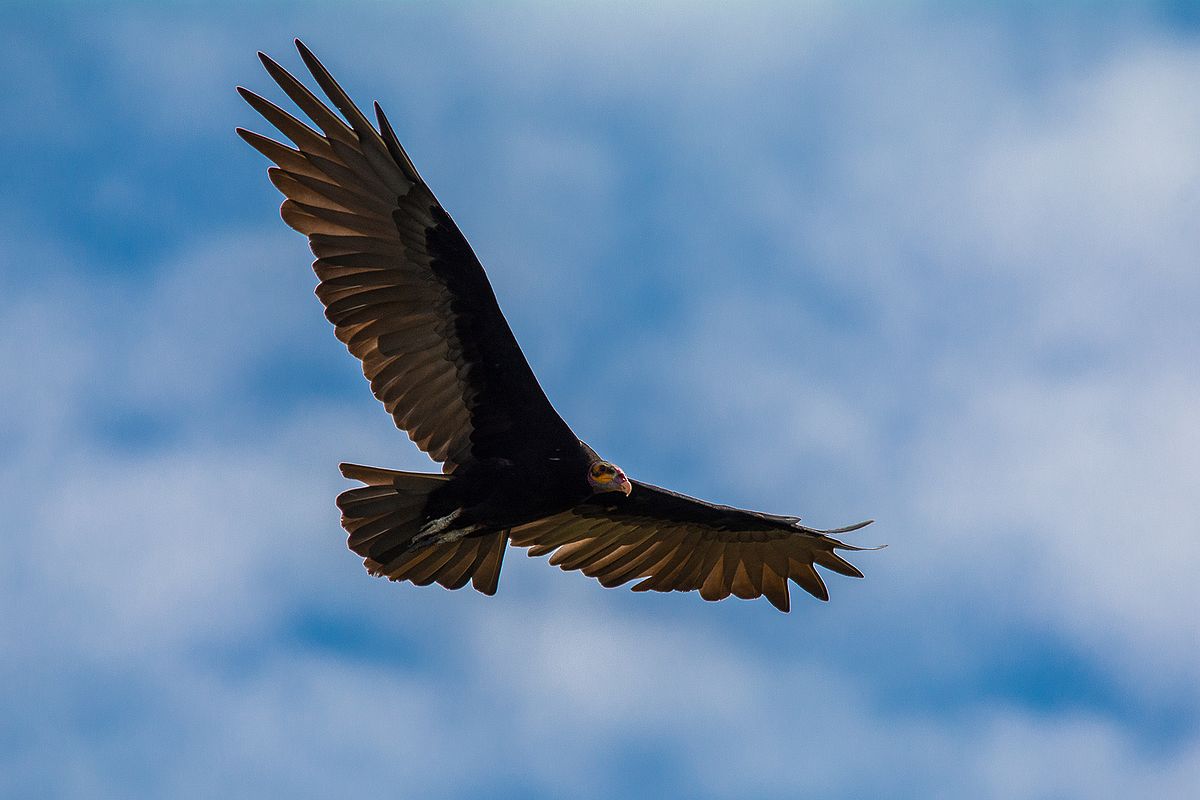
[
  {"x": 1026, "y": 289},
  {"x": 1005, "y": 378}
]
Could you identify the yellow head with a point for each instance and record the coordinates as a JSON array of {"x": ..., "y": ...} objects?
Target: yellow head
[{"x": 606, "y": 477}]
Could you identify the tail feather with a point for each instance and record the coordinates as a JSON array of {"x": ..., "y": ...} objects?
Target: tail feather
[
  {"x": 378, "y": 476},
  {"x": 486, "y": 569},
  {"x": 382, "y": 518}
]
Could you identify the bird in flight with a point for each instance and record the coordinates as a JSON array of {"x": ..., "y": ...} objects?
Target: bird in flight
[{"x": 408, "y": 297}]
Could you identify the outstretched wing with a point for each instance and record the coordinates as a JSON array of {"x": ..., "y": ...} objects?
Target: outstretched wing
[
  {"x": 678, "y": 543},
  {"x": 401, "y": 285}
]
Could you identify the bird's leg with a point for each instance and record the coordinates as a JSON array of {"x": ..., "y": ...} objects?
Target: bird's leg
[
  {"x": 440, "y": 531},
  {"x": 436, "y": 526}
]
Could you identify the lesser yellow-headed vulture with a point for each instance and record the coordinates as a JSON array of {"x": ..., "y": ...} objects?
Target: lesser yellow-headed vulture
[{"x": 410, "y": 300}]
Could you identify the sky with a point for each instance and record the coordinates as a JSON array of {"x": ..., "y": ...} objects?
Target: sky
[{"x": 911, "y": 262}]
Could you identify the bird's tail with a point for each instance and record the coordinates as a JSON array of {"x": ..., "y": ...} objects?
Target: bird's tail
[{"x": 383, "y": 517}]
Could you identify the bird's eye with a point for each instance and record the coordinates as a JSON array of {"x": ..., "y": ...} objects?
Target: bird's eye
[{"x": 602, "y": 472}]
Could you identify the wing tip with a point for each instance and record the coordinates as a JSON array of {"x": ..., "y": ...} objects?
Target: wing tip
[
  {"x": 783, "y": 604},
  {"x": 850, "y": 528},
  {"x": 274, "y": 69},
  {"x": 392, "y": 143},
  {"x": 858, "y": 548},
  {"x": 310, "y": 59}
]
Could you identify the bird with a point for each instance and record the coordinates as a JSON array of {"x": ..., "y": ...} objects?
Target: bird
[{"x": 410, "y": 299}]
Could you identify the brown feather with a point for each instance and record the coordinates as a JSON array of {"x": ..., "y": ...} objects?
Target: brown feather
[
  {"x": 741, "y": 584},
  {"x": 666, "y": 573},
  {"x": 714, "y": 586},
  {"x": 304, "y": 137},
  {"x": 423, "y": 575},
  {"x": 327, "y": 121},
  {"x": 803, "y": 574},
  {"x": 287, "y": 158},
  {"x": 635, "y": 566},
  {"x": 693, "y": 572},
  {"x": 774, "y": 586},
  {"x": 832, "y": 561},
  {"x": 457, "y": 571},
  {"x": 486, "y": 575}
]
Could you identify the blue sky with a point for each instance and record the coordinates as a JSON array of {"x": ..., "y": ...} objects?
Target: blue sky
[{"x": 932, "y": 266}]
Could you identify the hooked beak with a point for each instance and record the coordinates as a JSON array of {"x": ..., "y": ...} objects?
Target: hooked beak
[{"x": 623, "y": 484}]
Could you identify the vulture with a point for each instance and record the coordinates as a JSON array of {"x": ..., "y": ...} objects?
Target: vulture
[{"x": 409, "y": 298}]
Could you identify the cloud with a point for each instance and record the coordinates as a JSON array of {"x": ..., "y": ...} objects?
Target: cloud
[
  {"x": 1006, "y": 366},
  {"x": 903, "y": 267}
]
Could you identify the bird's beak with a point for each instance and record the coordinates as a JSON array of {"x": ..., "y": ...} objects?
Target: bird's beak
[{"x": 624, "y": 485}]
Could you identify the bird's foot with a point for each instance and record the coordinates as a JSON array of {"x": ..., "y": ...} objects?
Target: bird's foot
[
  {"x": 440, "y": 531},
  {"x": 436, "y": 526}
]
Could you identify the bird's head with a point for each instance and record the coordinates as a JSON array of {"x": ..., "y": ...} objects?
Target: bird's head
[{"x": 606, "y": 477}]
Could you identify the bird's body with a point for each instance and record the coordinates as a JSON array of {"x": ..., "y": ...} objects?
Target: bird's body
[
  {"x": 410, "y": 300},
  {"x": 501, "y": 494}
]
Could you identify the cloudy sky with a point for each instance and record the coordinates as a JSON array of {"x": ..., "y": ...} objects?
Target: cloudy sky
[{"x": 933, "y": 267}]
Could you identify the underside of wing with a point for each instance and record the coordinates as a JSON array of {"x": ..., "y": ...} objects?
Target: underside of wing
[
  {"x": 671, "y": 542},
  {"x": 400, "y": 283}
]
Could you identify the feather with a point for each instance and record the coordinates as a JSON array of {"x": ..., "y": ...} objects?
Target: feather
[
  {"x": 774, "y": 586},
  {"x": 574, "y": 555},
  {"x": 714, "y": 586},
  {"x": 287, "y": 158},
  {"x": 832, "y": 561},
  {"x": 806, "y": 578},
  {"x": 340, "y": 99},
  {"x": 304, "y": 137},
  {"x": 663, "y": 573},
  {"x": 356, "y": 250},
  {"x": 373, "y": 148},
  {"x": 346, "y": 196},
  {"x": 487, "y": 572},
  {"x": 692, "y": 574},
  {"x": 304, "y": 221},
  {"x": 293, "y": 189},
  {"x": 457, "y": 571},
  {"x": 326, "y": 120},
  {"x": 665, "y": 556},
  {"x": 634, "y": 547},
  {"x": 398, "y": 566},
  {"x": 368, "y": 164},
  {"x": 347, "y": 167},
  {"x": 363, "y": 539},
  {"x": 742, "y": 585},
  {"x": 394, "y": 146},
  {"x": 636, "y": 566},
  {"x": 353, "y": 221},
  {"x": 424, "y": 574}
]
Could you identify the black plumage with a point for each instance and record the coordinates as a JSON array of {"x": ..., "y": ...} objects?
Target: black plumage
[{"x": 409, "y": 298}]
